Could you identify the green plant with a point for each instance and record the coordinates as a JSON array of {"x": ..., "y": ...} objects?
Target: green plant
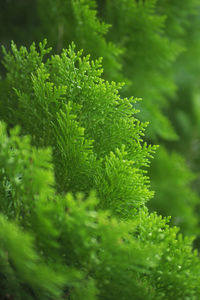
[
  {"x": 151, "y": 45},
  {"x": 82, "y": 136}
]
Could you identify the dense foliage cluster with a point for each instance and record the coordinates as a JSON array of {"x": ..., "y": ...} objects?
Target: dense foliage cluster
[
  {"x": 72, "y": 247},
  {"x": 151, "y": 45},
  {"x": 75, "y": 150}
]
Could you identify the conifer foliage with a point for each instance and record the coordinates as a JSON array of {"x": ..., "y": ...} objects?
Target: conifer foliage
[
  {"x": 58, "y": 238},
  {"x": 153, "y": 46}
]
